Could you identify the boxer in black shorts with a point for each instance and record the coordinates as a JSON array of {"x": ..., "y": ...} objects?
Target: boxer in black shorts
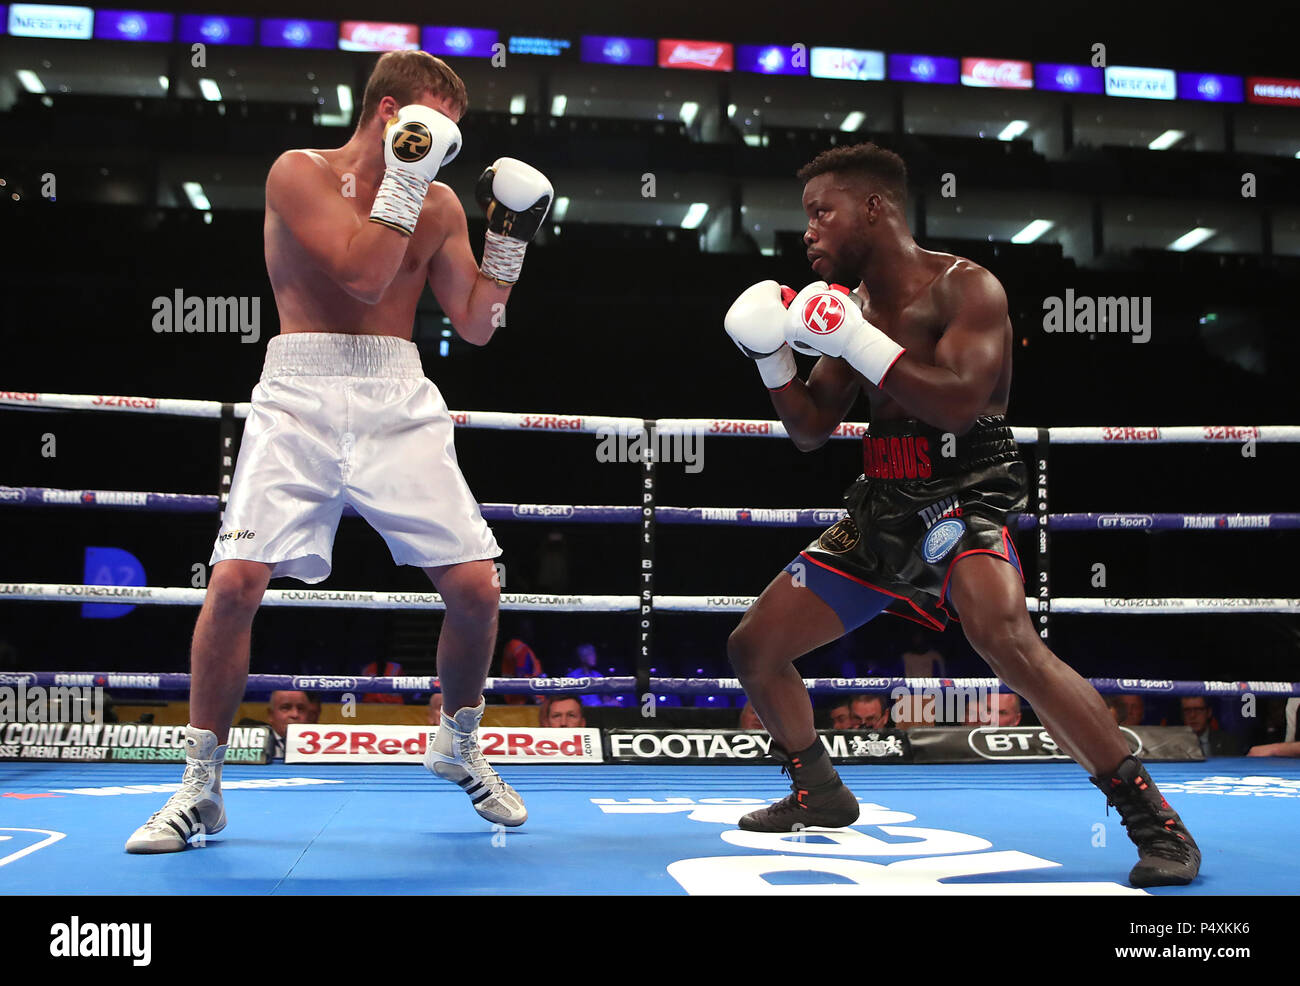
[{"x": 927, "y": 339}]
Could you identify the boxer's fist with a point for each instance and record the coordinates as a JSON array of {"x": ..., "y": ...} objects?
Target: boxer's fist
[
  {"x": 827, "y": 319},
  {"x": 421, "y": 140},
  {"x": 417, "y": 142},
  {"x": 756, "y": 323},
  {"x": 756, "y": 320},
  {"x": 516, "y": 198}
]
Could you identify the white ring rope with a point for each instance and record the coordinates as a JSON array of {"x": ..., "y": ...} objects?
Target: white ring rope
[
  {"x": 721, "y": 427},
  {"x": 540, "y": 602}
]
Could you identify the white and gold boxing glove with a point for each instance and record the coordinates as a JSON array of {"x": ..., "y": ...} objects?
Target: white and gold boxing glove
[{"x": 417, "y": 142}]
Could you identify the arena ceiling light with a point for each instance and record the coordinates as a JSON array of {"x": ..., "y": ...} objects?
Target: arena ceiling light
[
  {"x": 1167, "y": 140},
  {"x": 518, "y": 104},
  {"x": 31, "y": 81},
  {"x": 198, "y": 198},
  {"x": 1192, "y": 239},
  {"x": 695, "y": 215},
  {"x": 344, "y": 116},
  {"x": 1013, "y": 129},
  {"x": 689, "y": 112},
  {"x": 561, "y": 209},
  {"x": 1033, "y": 231},
  {"x": 853, "y": 121},
  {"x": 164, "y": 83},
  {"x": 211, "y": 91},
  {"x": 559, "y": 104}
]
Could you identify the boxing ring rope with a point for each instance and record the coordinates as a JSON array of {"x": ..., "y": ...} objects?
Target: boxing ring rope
[
  {"x": 415, "y": 684},
  {"x": 588, "y": 424},
  {"x": 44, "y": 496},
  {"x": 650, "y": 514},
  {"x": 66, "y": 592}
]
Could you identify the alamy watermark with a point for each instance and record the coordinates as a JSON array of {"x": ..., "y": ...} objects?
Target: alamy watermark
[
  {"x": 183, "y": 313},
  {"x": 18, "y": 703},
  {"x": 962, "y": 705},
  {"x": 1088, "y": 315},
  {"x": 627, "y": 443}
]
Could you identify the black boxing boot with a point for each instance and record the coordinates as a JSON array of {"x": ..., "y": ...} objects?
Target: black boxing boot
[
  {"x": 817, "y": 795},
  {"x": 1167, "y": 853}
]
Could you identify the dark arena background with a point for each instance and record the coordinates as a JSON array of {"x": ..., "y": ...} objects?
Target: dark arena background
[{"x": 1077, "y": 152}]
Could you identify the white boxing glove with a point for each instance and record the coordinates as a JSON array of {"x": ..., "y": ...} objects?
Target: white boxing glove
[
  {"x": 417, "y": 142},
  {"x": 756, "y": 323},
  {"x": 826, "y": 319},
  {"x": 515, "y": 197}
]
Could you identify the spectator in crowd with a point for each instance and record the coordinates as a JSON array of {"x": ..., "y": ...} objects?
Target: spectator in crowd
[
  {"x": 1290, "y": 742},
  {"x": 519, "y": 661},
  {"x": 749, "y": 717},
  {"x": 842, "y": 716},
  {"x": 383, "y": 669},
  {"x": 1198, "y": 716},
  {"x": 871, "y": 711},
  {"x": 1128, "y": 710},
  {"x": 562, "y": 712},
  {"x": 585, "y": 667},
  {"x": 283, "y": 708},
  {"x": 286, "y": 707},
  {"x": 1006, "y": 704},
  {"x": 435, "y": 708}
]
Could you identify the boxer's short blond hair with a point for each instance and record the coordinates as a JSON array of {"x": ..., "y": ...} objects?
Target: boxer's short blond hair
[{"x": 407, "y": 76}]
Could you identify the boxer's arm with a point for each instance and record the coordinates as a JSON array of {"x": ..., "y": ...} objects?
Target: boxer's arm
[
  {"x": 474, "y": 303},
  {"x": 812, "y": 411},
  {"x": 360, "y": 257},
  {"x": 953, "y": 392},
  {"x": 1275, "y": 750}
]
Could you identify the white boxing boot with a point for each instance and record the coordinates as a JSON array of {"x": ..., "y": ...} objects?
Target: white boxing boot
[
  {"x": 196, "y": 808},
  {"x": 454, "y": 756}
]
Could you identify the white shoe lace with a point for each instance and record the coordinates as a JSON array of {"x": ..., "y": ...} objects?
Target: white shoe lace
[
  {"x": 477, "y": 764},
  {"x": 193, "y": 782}
]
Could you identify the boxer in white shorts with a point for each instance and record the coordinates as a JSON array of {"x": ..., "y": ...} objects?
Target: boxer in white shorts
[{"x": 343, "y": 414}]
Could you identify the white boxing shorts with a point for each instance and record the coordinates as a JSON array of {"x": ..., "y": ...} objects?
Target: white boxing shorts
[{"x": 339, "y": 419}]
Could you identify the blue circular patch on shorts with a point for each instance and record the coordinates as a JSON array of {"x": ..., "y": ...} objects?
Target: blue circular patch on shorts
[{"x": 942, "y": 538}]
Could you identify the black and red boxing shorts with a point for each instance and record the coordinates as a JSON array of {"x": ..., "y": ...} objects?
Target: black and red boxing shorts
[{"x": 925, "y": 499}]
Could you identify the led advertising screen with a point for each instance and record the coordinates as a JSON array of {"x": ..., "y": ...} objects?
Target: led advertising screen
[
  {"x": 1211, "y": 88},
  {"x": 607, "y": 50},
  {"x": 42, "y": 20},
  {"x": 216, "y": 30},
  {"x": 133, "y": 25},
  {"x": 1069, "y": 78},
  {"x": 547, "y": 47},
  {"x": 1140, "y": 83},
  {"x": 712, "y": 56},
  {"x": 378, "y": 36},
  {"x": 997, "y": 73},
  {"x": 772, "y": 59},
  {"x": 925, "y": 68},
  {"x": 283, "y": 32},
  {"x": 1277, "y": 92},
  {"x": 847, "y": 63},
  {"x": 460, "y": 42}
]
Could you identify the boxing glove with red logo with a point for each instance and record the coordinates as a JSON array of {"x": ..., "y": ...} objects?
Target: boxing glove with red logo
[{"x": 826, "y": 319}]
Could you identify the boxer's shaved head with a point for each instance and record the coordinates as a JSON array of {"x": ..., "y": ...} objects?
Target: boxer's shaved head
[
  {"x": 877, "y": 168},
  {"x": 407, "y": 76}
]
